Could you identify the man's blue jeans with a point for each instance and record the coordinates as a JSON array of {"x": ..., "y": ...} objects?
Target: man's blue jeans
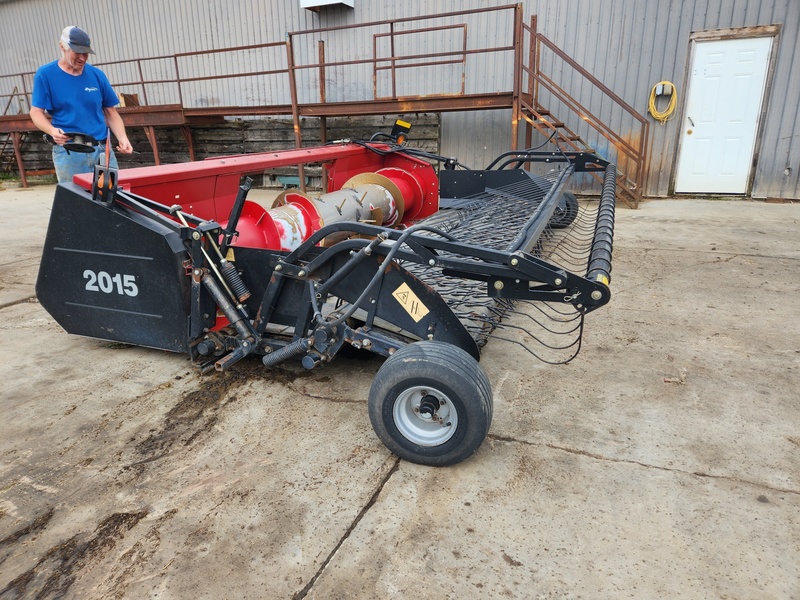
[{"x": 68, "y": 164}]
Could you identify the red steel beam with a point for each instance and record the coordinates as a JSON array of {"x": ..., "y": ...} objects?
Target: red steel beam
[{"x": 209, "y": 187}]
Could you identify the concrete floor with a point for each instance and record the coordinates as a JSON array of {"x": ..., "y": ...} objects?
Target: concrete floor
[{"x": 663, "y": 462}]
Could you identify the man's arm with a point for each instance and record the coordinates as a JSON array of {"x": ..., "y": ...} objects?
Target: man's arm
[
  {"x": 117, "y": 127},
  {"x": 42, "y": 120}
]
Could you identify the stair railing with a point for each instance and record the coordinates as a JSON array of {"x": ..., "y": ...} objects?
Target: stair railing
[{"x": 632, "y": 155}]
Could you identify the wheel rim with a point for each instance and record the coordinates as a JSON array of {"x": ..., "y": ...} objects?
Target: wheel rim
[{"x": 425, "y": 416}]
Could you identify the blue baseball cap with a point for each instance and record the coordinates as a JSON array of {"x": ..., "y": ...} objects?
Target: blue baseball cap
[{"x": 77, "y": 39}]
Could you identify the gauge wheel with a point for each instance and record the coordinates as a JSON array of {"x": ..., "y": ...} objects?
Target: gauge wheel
[
  {"x": 566, "y": 211},
  {"x": 431, "y": 404}
]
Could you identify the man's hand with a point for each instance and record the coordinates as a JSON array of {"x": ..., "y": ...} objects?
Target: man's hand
[
  {"x": 59, "y": 137},
  {"x": 117, "y": 127},
  {"x": 124, "y": 146},
  {"x": 42, "y": 120}
]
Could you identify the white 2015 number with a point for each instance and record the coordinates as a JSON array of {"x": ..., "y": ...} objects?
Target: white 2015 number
[{"x": 108, "y": 284}]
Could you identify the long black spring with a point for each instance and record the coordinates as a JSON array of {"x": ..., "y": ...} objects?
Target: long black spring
[
  {"x": 287, "y": 352},
  {"x": 234, "y": 280},
  {"x": 599, "y": 268}
]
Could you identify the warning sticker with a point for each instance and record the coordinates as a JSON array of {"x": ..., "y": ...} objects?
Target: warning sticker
[{"x": 410, "y": 302}]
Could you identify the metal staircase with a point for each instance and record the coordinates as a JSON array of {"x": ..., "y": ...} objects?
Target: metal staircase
[{"x": 577, "y": 128}]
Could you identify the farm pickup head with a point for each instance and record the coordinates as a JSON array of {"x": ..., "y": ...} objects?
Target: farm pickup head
[{"x": 393, "y": 258}]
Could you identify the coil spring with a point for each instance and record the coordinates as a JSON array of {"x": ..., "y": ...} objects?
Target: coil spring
[
  {"x": 234, "y": 281},
  {"x": 296, "y": 347}
]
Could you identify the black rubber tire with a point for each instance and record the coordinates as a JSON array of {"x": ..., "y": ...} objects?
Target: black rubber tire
[
  {"x": 450, "y": 374},
  {"x": 566, "y": 211}
]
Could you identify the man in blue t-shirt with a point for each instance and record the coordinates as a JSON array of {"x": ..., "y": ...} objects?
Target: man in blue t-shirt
[{"x": 71, "y": 96}]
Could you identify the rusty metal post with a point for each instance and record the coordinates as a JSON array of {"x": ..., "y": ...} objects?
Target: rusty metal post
[
  {"x": 17, "y": 142},
  {"x": 298, "y": 134},
  {"x": 533, "y": 87},
  {"x": 464, "y": 47},
  {"x": 187, "y": 135},
  {"x": 323, "y": 120},
  {"x": 535, "y": 58},
  {"x": 141, "y": 80},
  {"x": 26, "y": 94},
  {"x": 374, "y": 67},
  {"x": 515, "y": 100},
  {"x": 150, "y": 132},
  {"x": 14, "y": 93},
  {"x": 394, "y": 62},
  {"x": 644, "y": 166},
  {"x": 178, "y": 79}
]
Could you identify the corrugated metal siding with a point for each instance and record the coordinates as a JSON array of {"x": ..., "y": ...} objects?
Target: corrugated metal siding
[
  {"x": 778, "y": 171},
  {"x": 632, "y": 45},
  {"x": 628, "y": 44},
  {"x": 122, "y": 29}
]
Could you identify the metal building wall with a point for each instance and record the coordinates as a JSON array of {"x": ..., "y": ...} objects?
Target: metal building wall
[
  {"x": 125, "y": 29},
  {"x": 631, "y": 45},
  {"x": 628, "y": 44}
]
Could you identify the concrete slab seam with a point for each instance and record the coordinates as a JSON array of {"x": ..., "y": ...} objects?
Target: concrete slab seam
[
  {"x": 304, "y": 592},
  {"x": 645, "y": 465}
]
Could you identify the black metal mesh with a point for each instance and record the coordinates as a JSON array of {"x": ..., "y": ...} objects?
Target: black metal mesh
[{"x": 551, "y": 331}]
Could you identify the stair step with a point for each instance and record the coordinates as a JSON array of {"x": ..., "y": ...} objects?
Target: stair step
[{"x": 542, "y": 120}]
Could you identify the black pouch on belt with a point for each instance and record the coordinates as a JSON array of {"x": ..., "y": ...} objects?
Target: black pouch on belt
[{"x": 80, "y": 142}]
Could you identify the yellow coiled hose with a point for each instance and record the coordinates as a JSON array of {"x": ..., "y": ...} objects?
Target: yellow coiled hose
[{"x": 663, "y": 116}]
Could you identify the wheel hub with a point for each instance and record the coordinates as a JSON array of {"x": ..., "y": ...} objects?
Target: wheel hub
[
  {"x": 427, "y": 408},
  {"x": 425, "y": 416}
]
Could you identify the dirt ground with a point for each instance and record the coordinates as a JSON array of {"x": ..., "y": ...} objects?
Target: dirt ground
[{"x": 663, "y": 462}]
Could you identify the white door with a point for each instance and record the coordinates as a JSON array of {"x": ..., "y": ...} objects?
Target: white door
[{"x": 720, "y": 123}]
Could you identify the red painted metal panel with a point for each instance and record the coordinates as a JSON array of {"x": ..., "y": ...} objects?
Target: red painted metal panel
[{"x": 208, "y": 188}]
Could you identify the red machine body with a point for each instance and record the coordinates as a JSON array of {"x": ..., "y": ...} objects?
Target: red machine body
[{"x": 381, "y": 187}]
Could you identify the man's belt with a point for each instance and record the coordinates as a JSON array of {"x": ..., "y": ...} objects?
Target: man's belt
[{"x": 80, "y": 142}]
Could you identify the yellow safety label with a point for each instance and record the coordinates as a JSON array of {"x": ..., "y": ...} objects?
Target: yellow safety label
[
  {"x": 410, "y": 302},
  {"x": 603, "y": 279}
]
